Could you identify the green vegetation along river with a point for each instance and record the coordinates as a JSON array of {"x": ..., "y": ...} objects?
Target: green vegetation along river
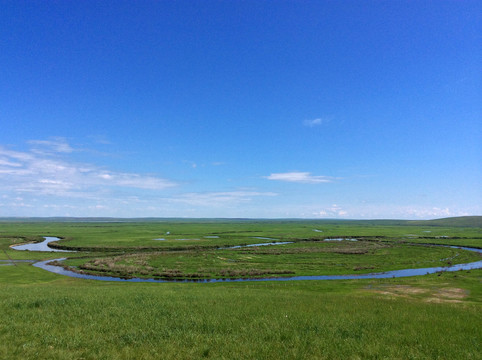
[{"x": 55, "y": 267}]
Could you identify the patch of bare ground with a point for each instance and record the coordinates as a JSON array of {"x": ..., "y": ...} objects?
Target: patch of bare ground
[
  {"x": 439, "y": 300},
  {"x": 343, "y": 251},
  {"x": 355, "y": 248},
  {"x": 443, "y": 295},
  {"x": 448, "y": 295},
  {"x": 399, "y": 290},
  {"x": 453, "y": 293}
]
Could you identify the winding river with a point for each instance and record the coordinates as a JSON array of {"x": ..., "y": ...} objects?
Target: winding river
[
  {"x": 41, "y": 246},
  {"x": 381, "y": 275}
]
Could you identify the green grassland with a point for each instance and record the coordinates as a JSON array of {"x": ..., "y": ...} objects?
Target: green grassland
[
  {"x": 297, "y": 259},
  {"x": 48, "y": 316},
  {"x": 195, "y": 233}
]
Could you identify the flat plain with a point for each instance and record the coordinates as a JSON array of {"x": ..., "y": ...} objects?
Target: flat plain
[{"x": 50, "y": 316}]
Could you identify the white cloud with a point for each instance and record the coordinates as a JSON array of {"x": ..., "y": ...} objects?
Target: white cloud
[
  {"x": 219, "y": 198},
  {"x": 43, "y": 173},
  {"x": 55, "y": 145},
  {"x": 100, "y": 139},
  {"x": 313, "y": 122},
  {"x": 392, "y": 211},
  {"x": 5, "y": 162},
  {"x": 426, "y": 212},
  {"x": 300, "y": 177},
  {"x": 137, "y": 181},
  {"x": 331, "y": 211}
]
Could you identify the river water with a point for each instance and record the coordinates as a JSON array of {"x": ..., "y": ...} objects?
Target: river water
[
  {"x": 381, "y": 275},
  {"x": 41, "y": 246}
]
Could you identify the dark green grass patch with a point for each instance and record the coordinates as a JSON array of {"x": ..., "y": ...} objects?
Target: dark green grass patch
[{"x": 297, "y": 259}]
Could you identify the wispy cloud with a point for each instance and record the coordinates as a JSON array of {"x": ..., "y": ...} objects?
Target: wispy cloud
[
  {"x": 54, "y": 145},
  {"x": 331, "y": 211},
  {"x": 390, "y": 211},
  {"x": 314, "y": 122},
  {"x": 100, "y": 139},
  {"x": 191, "y": 164},
  {"x": 427, "y": 212},
  {"x": 219, "y": 198},
  {"x": 42, "y": 172},
  {"x": 300, "y": 177}
]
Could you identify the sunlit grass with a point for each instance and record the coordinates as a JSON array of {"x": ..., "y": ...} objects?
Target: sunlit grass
[
  {"x": 71, "y": 319},
  {"x": 303, "y": 258},
  {"x": 48, "y": 316}
]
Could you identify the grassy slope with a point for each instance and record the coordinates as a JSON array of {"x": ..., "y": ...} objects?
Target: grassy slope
[{"x": 466, "y": 221}]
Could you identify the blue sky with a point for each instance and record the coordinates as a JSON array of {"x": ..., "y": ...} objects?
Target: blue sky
[{"x": 272, "y": 109}]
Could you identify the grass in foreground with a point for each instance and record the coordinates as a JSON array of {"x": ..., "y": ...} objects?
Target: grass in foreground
[{"x": 432, "y": 317}]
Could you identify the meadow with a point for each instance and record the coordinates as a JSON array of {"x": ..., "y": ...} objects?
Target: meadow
[{"x": 48, "y": 316}]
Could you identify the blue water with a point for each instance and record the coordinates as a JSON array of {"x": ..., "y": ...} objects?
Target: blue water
[
  {"x": 13, "y": 262},
  {"x": 42, "y": 246},
  {"x": 340, "y": 239},
  {"x": 381, "y": 275},
  {"x": 261, "y": 244}
]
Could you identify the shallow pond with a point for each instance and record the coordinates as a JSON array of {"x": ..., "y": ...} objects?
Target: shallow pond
[
  {"x": 340, "y": 239},
  {"x": 13, "y": 262},
  {"x": 260, "y": 244}
]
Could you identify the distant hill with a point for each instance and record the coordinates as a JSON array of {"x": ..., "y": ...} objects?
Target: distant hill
[{"x": 463, "y": 221}]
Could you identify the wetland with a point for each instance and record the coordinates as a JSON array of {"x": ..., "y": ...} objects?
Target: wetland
[{"x": 234, "y": 297}]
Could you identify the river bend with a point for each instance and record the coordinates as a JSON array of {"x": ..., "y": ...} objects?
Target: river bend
[{"x": 380, "y": 275}]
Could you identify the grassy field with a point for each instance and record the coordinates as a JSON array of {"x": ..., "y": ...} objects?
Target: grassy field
[
  {"x": 47, "y": 316},
  {"x": 297, "y": 259},
  {"x": 182, "y": 233}
]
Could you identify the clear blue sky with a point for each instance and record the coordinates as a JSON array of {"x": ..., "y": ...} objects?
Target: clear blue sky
[{"x": 311, "y": 109}]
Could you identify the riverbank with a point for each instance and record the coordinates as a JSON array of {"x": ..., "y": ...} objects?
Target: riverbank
[{"x": 57, "y": 266}]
